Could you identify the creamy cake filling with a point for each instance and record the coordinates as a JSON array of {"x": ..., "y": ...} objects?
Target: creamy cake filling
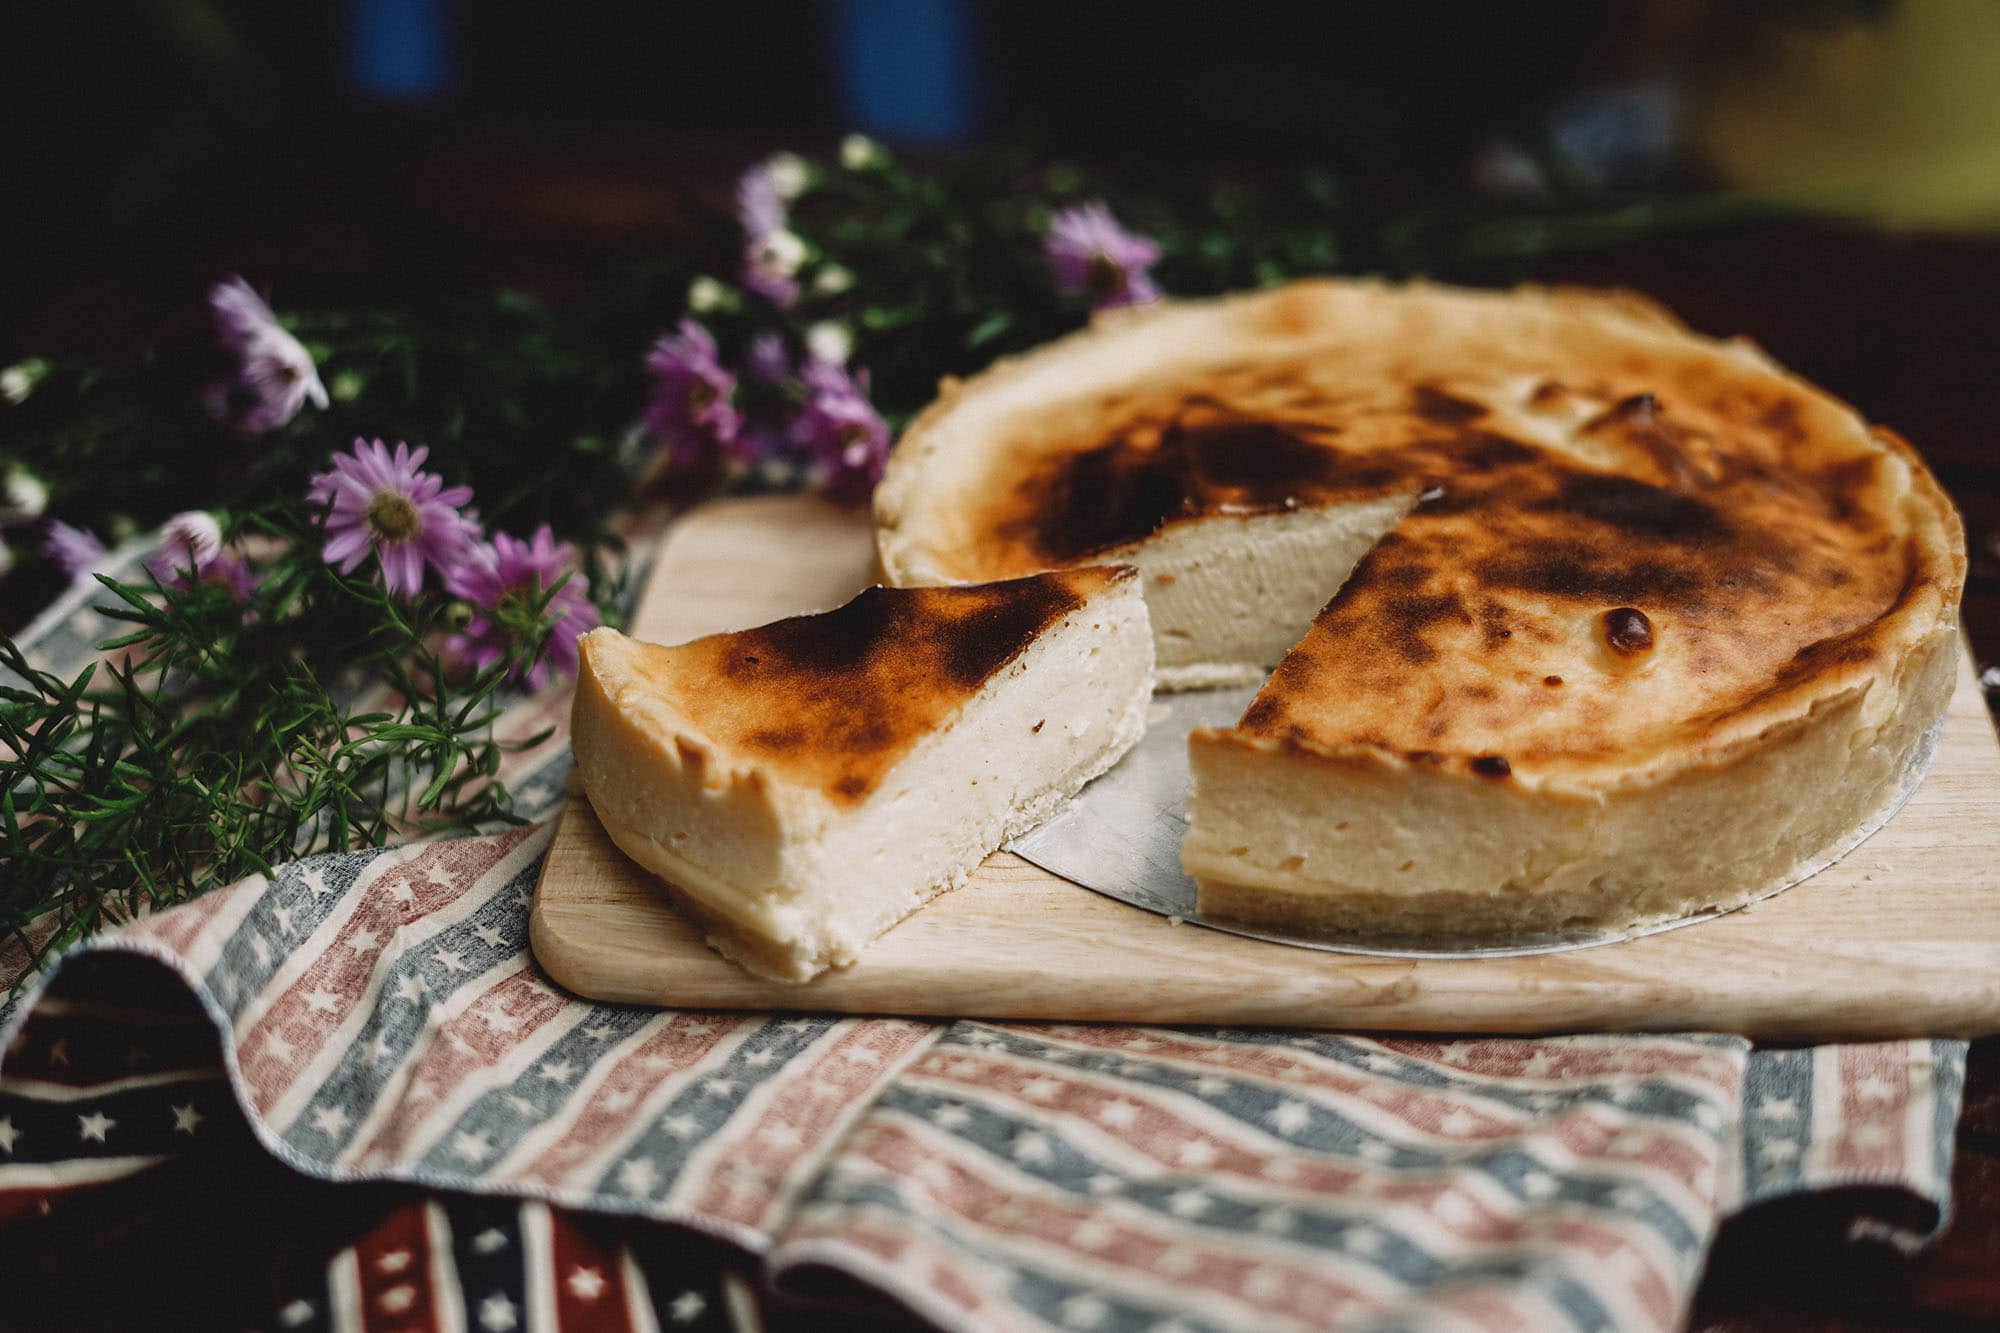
[{"x": 1228, "y": 601}]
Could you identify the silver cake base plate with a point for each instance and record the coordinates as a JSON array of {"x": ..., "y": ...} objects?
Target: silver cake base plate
[{"x": 1121, "y": 837}]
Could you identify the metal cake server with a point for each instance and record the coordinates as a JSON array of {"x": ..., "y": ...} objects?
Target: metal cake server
[{"x": 1121, "y": 837}]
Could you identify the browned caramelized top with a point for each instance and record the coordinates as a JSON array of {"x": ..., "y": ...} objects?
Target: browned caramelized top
[
  {"x": 1626, "y": 536},
  {"x": 833, "y": 700}
]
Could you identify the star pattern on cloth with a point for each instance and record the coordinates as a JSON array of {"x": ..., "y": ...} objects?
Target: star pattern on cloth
[
  {"x": 1777, "y": 1152},
  {"x": 1033, "y": 1146},
  {"x": 498, "y": 1314},
  {"x": 1276, "y": 1221},
  {"x": 638, "y": 1175},
  {"x": 471, "y": 1147},
  {"x": 1289, "y": 1117}
]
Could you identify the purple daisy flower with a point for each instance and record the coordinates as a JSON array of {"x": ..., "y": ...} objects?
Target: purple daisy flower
[
  {"x": 225, "y": 570},
  {"x": 189, "y": 543},
  {"x": 768, "y": 360},
  {"x": 1089, "y": 252},
  {"x": 75, "y": 550},
  {"x": 772, "y": 452},
  {"x": 274, "y": 373},
  {"x": 759, "y": 207},
  {"x": 190, "y": 551},
  {"x": 765, "y": 190},
  {"x": 503, "y": 580},
  {"x": 230, "y": 572},
  {"x": 692, "y": 408},
  {"x": 385, "y": 504},
  {"x": 841, "y": 432}
]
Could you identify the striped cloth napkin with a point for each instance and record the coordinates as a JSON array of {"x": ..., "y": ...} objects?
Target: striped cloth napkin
[{"x": 380, "y": 1017}]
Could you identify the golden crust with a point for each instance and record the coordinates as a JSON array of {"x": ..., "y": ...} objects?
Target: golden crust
[
  {"x": 830, "y": 702},
  {"x": 1637, "y": 547}
]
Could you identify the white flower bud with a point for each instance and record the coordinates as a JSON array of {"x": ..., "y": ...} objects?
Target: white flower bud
[
  {"x": 24, "y": 497},
  {"x": 858, "y": 152},
  {"x": 830, "y": 342},
  {"x": 790, "y": 175},
  {"x": 781, "y": 253},
  {"x": 833, "y": 279},
  {"x": 706, "y": 294},
  {"x": 19, "y": 380}
]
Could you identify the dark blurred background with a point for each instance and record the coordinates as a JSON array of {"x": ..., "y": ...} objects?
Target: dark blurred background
[
  {"x": 350, "y": 149},
  {"x": 353, "y": 151}
]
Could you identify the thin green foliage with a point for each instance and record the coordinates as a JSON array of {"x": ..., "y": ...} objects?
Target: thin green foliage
[{"x": 223, "y": 736}]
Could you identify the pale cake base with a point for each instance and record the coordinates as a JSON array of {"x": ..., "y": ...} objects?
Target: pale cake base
[{"x": 1319, "y": 843}]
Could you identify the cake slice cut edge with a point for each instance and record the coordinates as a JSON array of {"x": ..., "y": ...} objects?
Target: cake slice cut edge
[{"x": 803, "y": 787}]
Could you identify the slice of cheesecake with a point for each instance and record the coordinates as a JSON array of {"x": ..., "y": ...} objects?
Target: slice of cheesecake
[{"x": 804, "y": 786}]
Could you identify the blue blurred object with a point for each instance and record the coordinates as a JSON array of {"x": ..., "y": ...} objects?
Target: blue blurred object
[
  {"x": 1626, "y": 138},
  {"x": 399, "y": 50},
  {"x": 907, "y": 69}
]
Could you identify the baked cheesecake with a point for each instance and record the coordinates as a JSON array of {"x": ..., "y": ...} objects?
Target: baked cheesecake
[
  {"x": 804, "y": 786},
  {"x": 1579, "y": 618}
]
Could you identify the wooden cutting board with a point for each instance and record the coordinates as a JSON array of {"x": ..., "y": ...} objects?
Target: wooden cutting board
[{"x": 1902, "y": 938}]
